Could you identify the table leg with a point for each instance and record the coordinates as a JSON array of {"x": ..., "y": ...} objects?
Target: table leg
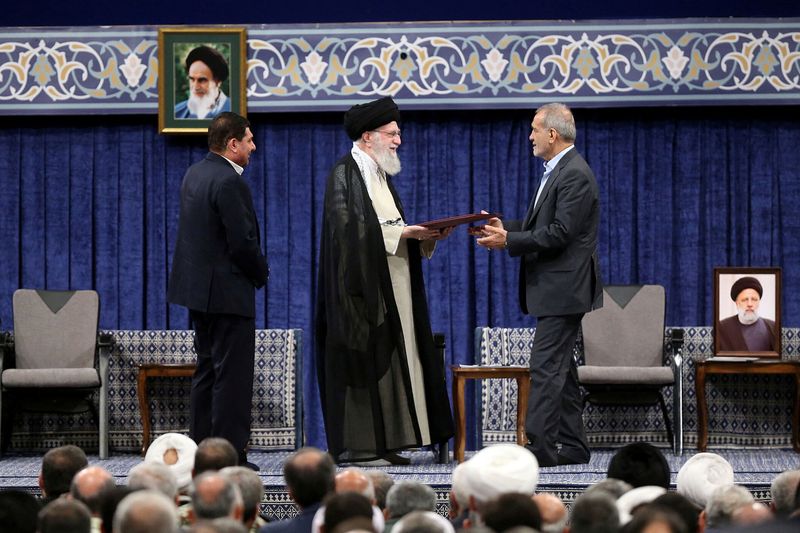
[
  {"x": 144, "y": 408},
  {"x": 702, "y": 407},
  {"x": 460, "y": 418},
  {"x": 523, "y": 389}
]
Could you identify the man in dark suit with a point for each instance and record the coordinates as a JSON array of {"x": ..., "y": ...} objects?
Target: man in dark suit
[
  {"x": 218, "y": 266},
  {"x": 310, "y": 477},
  {"x": 559, "y": 282}
]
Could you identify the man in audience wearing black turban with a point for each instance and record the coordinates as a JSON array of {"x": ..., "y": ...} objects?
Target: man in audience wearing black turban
[
  {"x": 746, "y": 330},
  {"x": 207, "y": 69},
  {"x": 381, "y": 381}
]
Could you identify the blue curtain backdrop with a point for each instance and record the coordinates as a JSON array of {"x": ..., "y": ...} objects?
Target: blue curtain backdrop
[{"x": 93, "y": 202}]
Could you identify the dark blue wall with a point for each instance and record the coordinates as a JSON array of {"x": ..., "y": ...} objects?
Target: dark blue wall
[{"x": 151, "y": 12}]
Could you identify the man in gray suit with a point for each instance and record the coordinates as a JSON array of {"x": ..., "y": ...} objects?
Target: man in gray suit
[
  {"x": 218, "y": 266},
  {"x": 559, "y": 282}
]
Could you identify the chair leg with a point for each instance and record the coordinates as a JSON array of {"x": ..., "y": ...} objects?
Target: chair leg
[
  {"x": 662, "y": 403},
  {"x": 103, "y": 422}
]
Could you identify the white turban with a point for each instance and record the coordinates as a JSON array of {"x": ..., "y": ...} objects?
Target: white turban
[
  {"x": 160, "y": 451},
  {"x": 701, "y": 475},
  {"x": 500, "y": 469},
  {"x": 634, "y": 498}
]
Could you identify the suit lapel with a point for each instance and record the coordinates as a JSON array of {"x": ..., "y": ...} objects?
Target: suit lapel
[{"x": 549, "y": 184}]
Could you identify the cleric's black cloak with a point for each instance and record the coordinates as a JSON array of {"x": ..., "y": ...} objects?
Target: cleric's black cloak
[{"x": 362, "y": 368}]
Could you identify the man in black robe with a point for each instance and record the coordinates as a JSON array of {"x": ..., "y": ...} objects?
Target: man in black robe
[{"x": 381, "y": 380}]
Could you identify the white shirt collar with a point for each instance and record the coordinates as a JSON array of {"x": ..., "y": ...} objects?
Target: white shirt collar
[{"x": 238, "y": 168}]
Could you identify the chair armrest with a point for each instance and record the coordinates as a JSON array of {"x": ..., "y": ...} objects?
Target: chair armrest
[{"x": 105, "y": 340}]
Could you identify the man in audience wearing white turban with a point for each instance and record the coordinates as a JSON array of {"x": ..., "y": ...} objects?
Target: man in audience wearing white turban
[{"x": 701, "y": 475}]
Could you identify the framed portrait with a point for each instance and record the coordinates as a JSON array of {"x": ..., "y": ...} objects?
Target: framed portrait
[
  {"x": 201, "y": 73},
  {"x": 747, "y": 311}
]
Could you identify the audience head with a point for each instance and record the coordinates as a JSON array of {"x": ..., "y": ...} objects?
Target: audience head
[
  {"x": 511, "y": 510},
  {"x": 109, "y": 503},
  {"x": 59, "y": 466},
  {"x": 250, "y": 487},
  {"x": 355, "y": 480},
  {"x": 635, "y": 498},
  {"x": 155, "y": 476},
  {"x": 688, "y": 512},
  {"x": 655, "y": 519},
  {"x": 754, "y": 513},
  {"x": 214, "y": 453},
  {"x": 640, "y": 464},
  {"x": 214, "y": 496},
  {"x": 408, "y": 496},
  {"x": 146, "y": 511},
  {"x": 358, "y": 524},
  {"x": 89, "y": 484},
  {"x": 342, "y": 506},
  {"x": 614, "y": 487},
  {"x": 309, "y": 474},
  {"x": 382, "y": 482},
  {"x": 701, "y": 475},
  {"x": 18, "y": 511},
  {"x": 176, "y": 451},
  {"x": 65, "y": 515},
  {"x": 218, "y": 525},
  {"x": 423, "y": 522},
  {"x": 595, "y": 512},
  {"x": 784, "y": 490},
  {"x": 723, "y": 503},
  {"x": 500, "y": 469},
  {"x": 552, "y": 511},
  {"x": 459, "y": 497}
]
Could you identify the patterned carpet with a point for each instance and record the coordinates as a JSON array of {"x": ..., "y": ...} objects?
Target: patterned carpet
[{"x": 754, "y": 469}]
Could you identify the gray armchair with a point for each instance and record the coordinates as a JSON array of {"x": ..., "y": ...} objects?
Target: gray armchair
[
  {"x": 55, "y": 360},
  {"x": 628, "y": 360}
]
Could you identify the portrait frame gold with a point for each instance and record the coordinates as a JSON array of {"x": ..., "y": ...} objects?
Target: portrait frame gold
[
  {"x": 727, "y": 344},
  {"x": 174, "y": 43}
]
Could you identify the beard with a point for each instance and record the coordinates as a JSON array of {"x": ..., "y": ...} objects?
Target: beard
[
  {"x": 202, "y": 105},
  {"x": 387, "y": 160},
  {"x": 747, "y": 317}
]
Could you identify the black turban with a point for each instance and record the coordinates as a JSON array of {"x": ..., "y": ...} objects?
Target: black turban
[
  {"x": 211, "y": 57},
  {"x": 747, "y": 282},
  {"x": 367, "y": 117}
]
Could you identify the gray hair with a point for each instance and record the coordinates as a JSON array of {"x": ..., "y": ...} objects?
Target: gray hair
[
  {"x": 146, "y": 511},
  {"x": 784, "y": 491},
  {"x": 614, "y": 487},
  {"x": 409, "y": 496},
  {"x": 250, "y": 487},
  {"x": 559, "y": 117},
  {"x": 723, "y": 502},
  {"x": 595, "y": 513},
  {"x": 64, "y": 515},
  {"x": 219, "y": 525},
  {"x": 368, "y": 491},
  {"x": 214, "y": 495},
  {"x": 382, "y": 482},
  {"x": 155, "y": 476}
]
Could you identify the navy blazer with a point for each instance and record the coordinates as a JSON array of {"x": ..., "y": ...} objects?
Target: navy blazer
[
  {"x": 218, "y": 262},
  {"x": 557, "y": 243},
  {"x": 299, "y": 524}
]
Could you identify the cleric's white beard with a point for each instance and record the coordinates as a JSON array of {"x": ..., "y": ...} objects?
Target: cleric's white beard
[
  {"x": 202, "y": 105},
  {"x": 747, "y": 317},
  {"x": 388, "y": 161}
]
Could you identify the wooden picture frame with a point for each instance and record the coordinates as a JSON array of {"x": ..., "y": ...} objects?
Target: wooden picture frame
[
  {"x": 188, "y": 100},
  {"x": 732, "y": 336}
]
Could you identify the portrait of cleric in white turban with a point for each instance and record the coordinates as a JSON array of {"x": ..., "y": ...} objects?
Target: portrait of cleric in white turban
[
  {"x": 747, "y": 314},
  {"x": 200, "y": 83}
]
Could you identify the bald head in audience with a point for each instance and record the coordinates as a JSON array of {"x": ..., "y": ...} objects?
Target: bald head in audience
[
  {"x": 552, "y": 511},
  {"x": 89, "y": 485},
  {"x": 146, "y": 511},
  {"x": 214, "y": 496}
]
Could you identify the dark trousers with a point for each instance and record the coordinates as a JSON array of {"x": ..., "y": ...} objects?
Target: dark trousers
[
  {"x": 222, "y": 385},
  {"x": 555, "y": 405}
]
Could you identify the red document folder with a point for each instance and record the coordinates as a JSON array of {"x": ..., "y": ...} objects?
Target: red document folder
[{"x": 458, "y": 220}]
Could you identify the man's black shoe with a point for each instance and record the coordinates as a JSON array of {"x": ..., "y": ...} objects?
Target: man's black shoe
[
  {"x": 248, "y": 464},
  {"x": 396, "y": 459},
  {"x": 566, "y": 460}
]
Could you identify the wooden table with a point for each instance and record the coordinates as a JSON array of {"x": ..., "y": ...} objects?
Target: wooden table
[
  {"x": 462, "y": 373},
  {"x": 155, "y": 370},
  {"x": 761, "y": 366}
]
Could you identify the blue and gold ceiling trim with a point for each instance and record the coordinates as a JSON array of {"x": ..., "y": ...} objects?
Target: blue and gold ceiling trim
[{"x": 478, "y": 65}]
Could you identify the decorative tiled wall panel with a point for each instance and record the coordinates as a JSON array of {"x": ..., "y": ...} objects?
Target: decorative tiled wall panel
[{"x": 486, "y": 65}]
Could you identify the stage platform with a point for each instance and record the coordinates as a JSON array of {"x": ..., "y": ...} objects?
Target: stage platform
[{"x": 754, "y": 469}]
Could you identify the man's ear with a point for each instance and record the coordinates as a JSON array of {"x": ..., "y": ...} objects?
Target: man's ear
[{"x": 41, "y": 483}]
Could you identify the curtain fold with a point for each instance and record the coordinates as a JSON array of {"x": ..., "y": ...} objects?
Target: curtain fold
[{"x": 92, "y": 202}]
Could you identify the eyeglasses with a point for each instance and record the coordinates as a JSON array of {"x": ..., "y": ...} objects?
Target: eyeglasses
[{"x": 391, "y": 134}]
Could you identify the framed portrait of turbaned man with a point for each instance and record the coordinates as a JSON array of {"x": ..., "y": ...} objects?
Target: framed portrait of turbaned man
[
  {"x": 747, "y": 312},
  {"x": 201, "y": 73}
]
